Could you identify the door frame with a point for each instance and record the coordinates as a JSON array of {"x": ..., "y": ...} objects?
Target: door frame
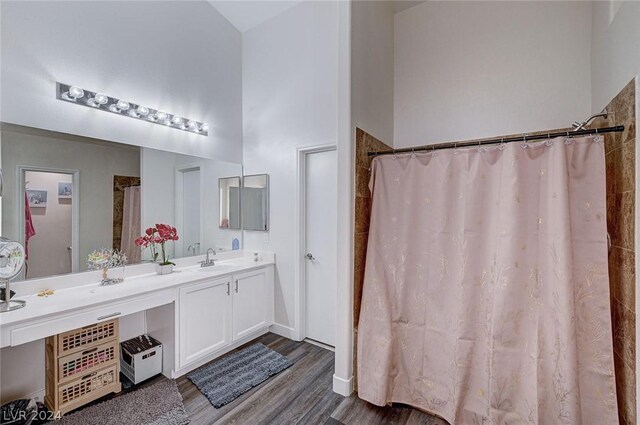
[
  {"x": 179, "y": 204},
  {"x": 299, "y": 331},
  {"x": 21, "y": 171}
]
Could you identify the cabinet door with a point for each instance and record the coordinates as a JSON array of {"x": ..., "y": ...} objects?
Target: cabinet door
[
  {"x": 205, "y": 313},
  {"x": 249, "y": 302}
]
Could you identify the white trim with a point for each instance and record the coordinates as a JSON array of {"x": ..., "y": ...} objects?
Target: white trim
[
  {"x": 282, "y": 330},
  {"x": 319, "y": 344},
  {"x": 212, "y": 356},
  {"x": 344, "y": 387},
  {"x": 179, "y": 204},
  {"x": 346, "y": 191},
  {"x": 300, "y": 235},
  {"x": 75, "y": 207}
]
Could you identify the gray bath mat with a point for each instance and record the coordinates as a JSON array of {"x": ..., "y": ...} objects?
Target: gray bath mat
[
  {"x": 157, "y": 404},
  {"x": 224, "y": 380}
]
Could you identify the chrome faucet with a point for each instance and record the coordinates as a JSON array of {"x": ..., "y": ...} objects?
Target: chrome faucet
[{"x": 209, "y": 262}]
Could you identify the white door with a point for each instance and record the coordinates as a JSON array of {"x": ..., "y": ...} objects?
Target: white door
[
  {"x": 321, "y": 246},
  {"x": 249, "y": 303},
  {"x": 205, "y": 314},
  {"x": 191, "y": 212}
]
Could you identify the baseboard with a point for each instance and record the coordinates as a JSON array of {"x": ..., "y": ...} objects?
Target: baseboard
[
  {"x": 343, "y": 387},
  {"x": 320, "y": 344},
  {"x": 282, "y": 330},
  {"x": 206, "y": 359},
  {"x": 36, "y": 395}
]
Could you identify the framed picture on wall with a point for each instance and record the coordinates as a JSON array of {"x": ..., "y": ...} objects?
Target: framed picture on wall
[
  {"x": 65, "y": 190},
  {"x": 37, "y": 198}
]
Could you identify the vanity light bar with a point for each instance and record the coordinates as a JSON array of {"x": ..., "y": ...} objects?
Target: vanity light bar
[{"x": 96, "y": 100}]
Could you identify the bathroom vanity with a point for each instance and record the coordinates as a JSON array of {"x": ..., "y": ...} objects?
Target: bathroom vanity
[{"x": 198, "y": 313}]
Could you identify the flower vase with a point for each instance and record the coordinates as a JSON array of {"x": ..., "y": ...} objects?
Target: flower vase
[{"x": 164, "y": 269}]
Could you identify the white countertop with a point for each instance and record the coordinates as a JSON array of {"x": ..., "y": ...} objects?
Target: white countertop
[{"x": 91, "y": 293}]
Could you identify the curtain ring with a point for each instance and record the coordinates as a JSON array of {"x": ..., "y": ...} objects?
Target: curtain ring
[
  {"x": 598, "y": 137},
  {"x": 433, "y": 150},
  {"x": 548, "y": 142},
  {"x": 524, "y": 144},
  {"x": 455, "y": 148},
  {"x": 394, "y": 154},
  {"x": 480, "y": 148},
  {"x": 413, "y": 152},
  {"x": 502, "y": 146}
]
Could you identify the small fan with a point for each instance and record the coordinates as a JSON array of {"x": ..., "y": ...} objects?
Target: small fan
[{"x": 11, "y": 262}]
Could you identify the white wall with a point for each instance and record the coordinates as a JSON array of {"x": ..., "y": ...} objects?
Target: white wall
[
  {"x": 615, "y": 48},
  {"x": 159, "y": 195},
  {"x": 290, "y": 100},
  {"x": 467, "y": 70},
  {"x": 182, "y": 57},
  {"x": 372, "y": 68}
]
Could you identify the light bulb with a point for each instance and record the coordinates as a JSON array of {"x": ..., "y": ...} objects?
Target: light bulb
[
  {"x": 100, "y": 98},
  {"x": 193, "y": 125},
  {"x": 114, "y": 108},
  {"x": 151, "y": 118},
  {"x": 205, "y": 128},
  {"x": 122, "y": 105},
  {"x": 133, "y": 114},
  {"x": 143, "y": 110},
  {"x": 76, "y": 92},
  {"x": 161, "y": 115},
  {"x": 177, "y": 120}
]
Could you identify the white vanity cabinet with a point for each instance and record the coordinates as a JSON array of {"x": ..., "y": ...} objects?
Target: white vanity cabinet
[
  {"x": 217, "y": 315},
  {"x": 205, "y": 319},
  {"x": 249, "y": 306}
]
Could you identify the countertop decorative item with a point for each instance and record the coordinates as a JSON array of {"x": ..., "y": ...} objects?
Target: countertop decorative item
[
  {"x": 105, "y": 259},
  {"x": 159, "y": 235},
  {"x": 12, "y": 259}
]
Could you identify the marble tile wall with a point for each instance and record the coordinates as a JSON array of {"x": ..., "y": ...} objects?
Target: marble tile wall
[
  {"x": 621, "y": 168},
  {"x": 119, "y": 183},
  {"x": 364, "y": 144}
]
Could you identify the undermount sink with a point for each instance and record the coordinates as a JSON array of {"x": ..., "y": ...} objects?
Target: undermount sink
[{"x": 217, "y": 268}]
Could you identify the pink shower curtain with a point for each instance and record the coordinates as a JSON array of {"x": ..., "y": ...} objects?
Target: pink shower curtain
[
  {"x": 131, "y": 224},
  {"x": 486, "y": 293}
]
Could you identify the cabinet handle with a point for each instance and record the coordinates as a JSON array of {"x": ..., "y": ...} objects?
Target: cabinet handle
[
  {"x": 108, "y": 316},
  {"x": 228, "y": 288},
  {"x": 90, "y": 351},
  {"x": 236, "y": 286}
]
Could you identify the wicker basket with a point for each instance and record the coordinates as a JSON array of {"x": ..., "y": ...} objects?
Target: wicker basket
[
  {"x": 79, "y": 339},
  {"x": 81, "y": 366},
  {"x": 85, "y": 361}
]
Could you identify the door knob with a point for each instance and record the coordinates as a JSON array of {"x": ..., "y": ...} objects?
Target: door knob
[{"x": 309, "y": 256}]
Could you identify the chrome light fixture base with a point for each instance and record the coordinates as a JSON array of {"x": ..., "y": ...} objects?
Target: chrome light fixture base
[{"x": 97, "y": 100}]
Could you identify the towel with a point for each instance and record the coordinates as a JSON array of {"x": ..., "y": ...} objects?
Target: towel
[{"x": 29, "y": 230}]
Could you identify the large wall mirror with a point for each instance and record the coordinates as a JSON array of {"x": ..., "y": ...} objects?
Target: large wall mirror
[
  {"x": 65, "y": 196},
  {"x": 255, "y": 202}
]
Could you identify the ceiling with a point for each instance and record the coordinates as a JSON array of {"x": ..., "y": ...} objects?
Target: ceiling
[{"x": 247, "y": 14}]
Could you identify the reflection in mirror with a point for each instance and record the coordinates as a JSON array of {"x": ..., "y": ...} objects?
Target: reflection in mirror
[
  {"x": 181, "y": 190},
  {"x": 65, "y": 196},
  {"x": 229, "y": 202},
  {"x": 255, "y": 202}
]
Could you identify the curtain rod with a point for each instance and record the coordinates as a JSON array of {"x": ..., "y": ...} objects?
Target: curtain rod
[{"x": 523, "y": 138}]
